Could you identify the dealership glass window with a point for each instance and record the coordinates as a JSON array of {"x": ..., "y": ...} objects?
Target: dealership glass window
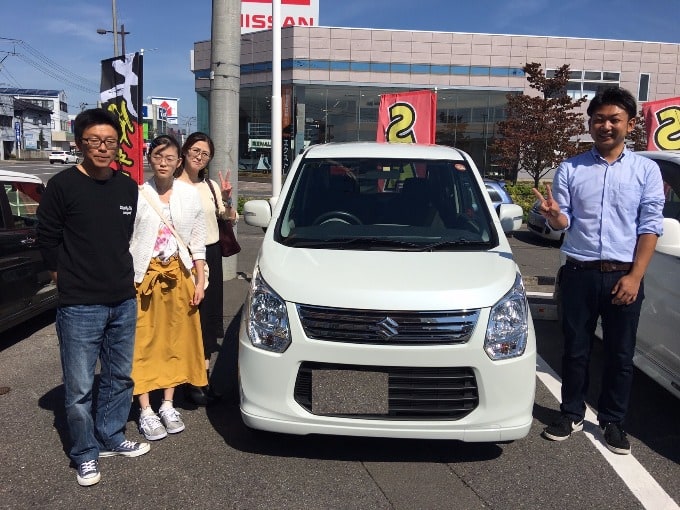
[
  {"x": 443, "y": 70},
  {"x": 643, "y": 88},
  {"x": 380, "y": 67},
  {"x": 587, "y": 83},
  {"x": 465, "y": 118},
  {"x": 359, "y": 66},
  {"x": 420, "y": 68},
  {"x": 338, "y": 65}
]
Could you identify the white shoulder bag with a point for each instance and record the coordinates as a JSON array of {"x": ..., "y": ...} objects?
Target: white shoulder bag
[{"x": 152, "y": 203}]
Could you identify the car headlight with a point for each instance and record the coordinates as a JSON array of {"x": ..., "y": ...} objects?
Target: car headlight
[
  {"x": 267, "y": 318},
  {"x": 507, "y": 331}
]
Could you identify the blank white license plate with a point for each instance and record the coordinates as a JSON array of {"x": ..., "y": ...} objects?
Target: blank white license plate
[{"x": 349, "y": 392}]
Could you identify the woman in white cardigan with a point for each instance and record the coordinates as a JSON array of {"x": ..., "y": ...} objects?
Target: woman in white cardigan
[{"x": 168, "y": 344}]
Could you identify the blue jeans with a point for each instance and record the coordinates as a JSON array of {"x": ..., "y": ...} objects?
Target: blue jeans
[
  {"x": 586, "y": 295},
  {"x": 86, "y": 333}
]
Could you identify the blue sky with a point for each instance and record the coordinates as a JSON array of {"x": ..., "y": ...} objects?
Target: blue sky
[{"x": 60, "y": 36}]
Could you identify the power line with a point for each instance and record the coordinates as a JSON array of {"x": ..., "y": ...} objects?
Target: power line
[{"x": 45, "y": 65}]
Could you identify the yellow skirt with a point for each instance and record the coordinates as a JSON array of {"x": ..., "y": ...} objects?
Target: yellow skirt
[{"x": 168, "y": 340}]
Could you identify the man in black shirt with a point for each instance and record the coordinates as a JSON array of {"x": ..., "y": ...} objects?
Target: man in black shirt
[{"x": 86, "y": 219}]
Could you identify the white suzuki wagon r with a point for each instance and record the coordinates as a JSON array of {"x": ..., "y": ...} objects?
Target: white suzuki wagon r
[{"x": 385, "y": 301}]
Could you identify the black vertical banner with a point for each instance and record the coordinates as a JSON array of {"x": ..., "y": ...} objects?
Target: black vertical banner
[{"x": 121, "y": 94}]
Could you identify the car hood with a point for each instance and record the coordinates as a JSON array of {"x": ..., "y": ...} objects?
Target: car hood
[{"x": 387, "y": 280}]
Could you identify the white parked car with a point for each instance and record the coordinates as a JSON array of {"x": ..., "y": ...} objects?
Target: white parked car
[
  {"x": 63, "y": 157},
  {"x": 385, "y": 301},
  {"x": 657, "y": 352}
]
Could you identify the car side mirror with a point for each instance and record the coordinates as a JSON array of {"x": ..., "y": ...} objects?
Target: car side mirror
[
  {"x": 669, "y": 242},
  {"x": 510, "y": 216},
  {"x": 257, "y": 213}
]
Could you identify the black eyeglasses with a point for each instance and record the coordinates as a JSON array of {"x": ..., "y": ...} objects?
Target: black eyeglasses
[{"x": 95, "y": 143}]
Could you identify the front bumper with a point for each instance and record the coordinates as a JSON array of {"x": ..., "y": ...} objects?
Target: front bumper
[{"x": 505, "y": 389}]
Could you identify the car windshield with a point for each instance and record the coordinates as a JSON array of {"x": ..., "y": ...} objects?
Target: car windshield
[{"x": 385, "y": 204}]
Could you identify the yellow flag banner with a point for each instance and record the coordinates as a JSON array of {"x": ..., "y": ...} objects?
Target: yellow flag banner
[
  {"x": 407, "y": 117},
  {"x": 662, "y": 124}
]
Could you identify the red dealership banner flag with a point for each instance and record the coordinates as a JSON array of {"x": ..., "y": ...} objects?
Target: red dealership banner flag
[
  {"x": 662, "y": 124},
  {"x": 121, "y": 94},
  {"x": 407, "y": 117}
]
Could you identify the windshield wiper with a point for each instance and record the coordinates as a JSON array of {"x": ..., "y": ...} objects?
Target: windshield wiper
[
  {"x": 367, "y": 243},
  {"x": 462, "y": 242}
]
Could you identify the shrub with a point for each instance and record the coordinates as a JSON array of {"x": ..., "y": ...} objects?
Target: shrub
[{"x": 523, "y": 196}]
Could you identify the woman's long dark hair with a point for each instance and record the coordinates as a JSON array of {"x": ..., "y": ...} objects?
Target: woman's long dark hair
[{"x": 190, "y": 141}]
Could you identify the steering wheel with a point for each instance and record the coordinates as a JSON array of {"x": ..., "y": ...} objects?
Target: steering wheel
[{"x": 341, "y": 216}]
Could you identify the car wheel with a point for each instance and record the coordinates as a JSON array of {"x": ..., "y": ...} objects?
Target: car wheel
[{"x": 51, "y": 162}]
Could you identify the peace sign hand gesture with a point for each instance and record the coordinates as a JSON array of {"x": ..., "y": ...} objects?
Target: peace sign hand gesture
[
  {"x": 548, "y": 207},
  {"x": 225, "y": 184}
]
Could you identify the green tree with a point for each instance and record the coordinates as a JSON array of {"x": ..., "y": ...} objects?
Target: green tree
[
  {"x": 540, "y": 130},
  {"x": 638, "y": 137}
]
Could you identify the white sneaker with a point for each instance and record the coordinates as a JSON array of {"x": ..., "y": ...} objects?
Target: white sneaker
[
  {"x": 172, "y": 420},
  {"x": 150, "y": 425}
]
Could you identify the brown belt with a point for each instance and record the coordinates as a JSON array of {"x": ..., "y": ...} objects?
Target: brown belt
[{"x": 604, "y": 266}]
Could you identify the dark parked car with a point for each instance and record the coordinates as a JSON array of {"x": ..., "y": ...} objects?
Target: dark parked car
[{"x": 26, "y": 288}]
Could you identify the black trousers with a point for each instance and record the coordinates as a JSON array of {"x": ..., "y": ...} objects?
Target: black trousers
[
  {"x": 211, "y": 308},
  {"x": 586, "y": 295}
]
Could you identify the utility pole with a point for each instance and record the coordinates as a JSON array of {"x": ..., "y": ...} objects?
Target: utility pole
[
  {"x": 225, "y": 84},
  {"x": 277, "y": 127},
  {"x": 115, "y": 28}
]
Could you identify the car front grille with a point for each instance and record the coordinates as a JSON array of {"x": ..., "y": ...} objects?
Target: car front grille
[
  {"x": 413, "y": 393},
  {"x": 387, "y": 327}
]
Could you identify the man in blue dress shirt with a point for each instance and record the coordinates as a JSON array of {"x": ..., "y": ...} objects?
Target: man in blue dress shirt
[{"x": 610, "y": 201}]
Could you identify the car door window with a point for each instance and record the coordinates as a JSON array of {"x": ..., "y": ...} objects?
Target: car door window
[{"x": 23, "y": 200}]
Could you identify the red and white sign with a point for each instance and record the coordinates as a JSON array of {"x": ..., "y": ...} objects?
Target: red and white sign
[
  {"x": 170, "y": 106},
  {"x": 407, "y": 117},
  {"x": 257, "y": 14},
  {"x": 662, "y": 124}
]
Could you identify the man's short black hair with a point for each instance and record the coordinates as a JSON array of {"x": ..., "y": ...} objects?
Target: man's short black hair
[
  {"x": 92, "y": 117},
  {"x": 614, "y": 96}
]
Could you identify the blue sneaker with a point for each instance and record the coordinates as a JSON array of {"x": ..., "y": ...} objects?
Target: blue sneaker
[
  {"x": 88, "y": 473},
  {"x": 127, "y": 449}
]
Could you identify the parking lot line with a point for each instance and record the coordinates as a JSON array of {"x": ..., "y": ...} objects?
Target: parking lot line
[{"x": 643, "y": 486}]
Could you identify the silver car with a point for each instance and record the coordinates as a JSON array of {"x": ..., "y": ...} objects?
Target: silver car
[{"x": 538, "y": 225}]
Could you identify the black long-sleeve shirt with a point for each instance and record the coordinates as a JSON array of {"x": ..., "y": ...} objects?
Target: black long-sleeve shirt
[{"x": 84, "y": 231}]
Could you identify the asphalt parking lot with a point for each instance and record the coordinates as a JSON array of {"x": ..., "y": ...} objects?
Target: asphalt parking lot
[{"x": 219, "y": 463}]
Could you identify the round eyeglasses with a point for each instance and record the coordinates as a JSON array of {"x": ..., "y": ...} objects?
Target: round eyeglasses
[{"x": 198, "y": 153}]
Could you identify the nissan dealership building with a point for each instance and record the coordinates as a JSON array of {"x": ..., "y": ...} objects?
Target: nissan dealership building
[{"x": 332, "y": 79}]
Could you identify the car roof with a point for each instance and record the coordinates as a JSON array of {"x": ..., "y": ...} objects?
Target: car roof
[
  {"x": 8, "y": 175},
  {"x": 665, "y": 155},
  {"x": 384, "y": 150}
]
